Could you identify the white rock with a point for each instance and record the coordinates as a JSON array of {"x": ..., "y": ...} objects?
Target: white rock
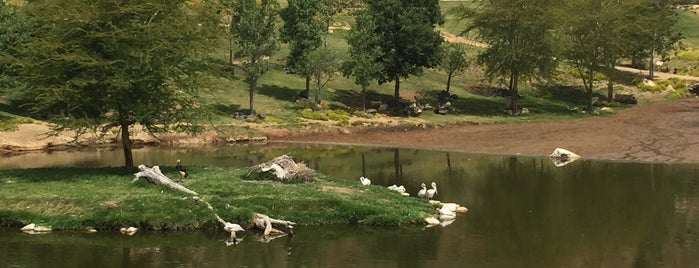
[
  {"x": 28, "y": 227},
  {"x": 432, "y": 221}
]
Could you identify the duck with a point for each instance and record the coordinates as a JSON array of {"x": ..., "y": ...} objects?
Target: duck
[
  {"x": 232, "y": 228},
  {"x": 423, "y": 192},
  {"x": 432, "y": 192},
  {"x": 364, "y": 180}
]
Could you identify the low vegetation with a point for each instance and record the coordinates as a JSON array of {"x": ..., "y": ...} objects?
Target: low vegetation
[{"x": 106, "y": 199}]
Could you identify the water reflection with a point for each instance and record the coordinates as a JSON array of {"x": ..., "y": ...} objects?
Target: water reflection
[{"x": 524, "y": 212}]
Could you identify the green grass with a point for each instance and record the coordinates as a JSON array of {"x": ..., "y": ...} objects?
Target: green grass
[
  {"x": 689, "y": 23},
  {"x": 105, "y": 198}
]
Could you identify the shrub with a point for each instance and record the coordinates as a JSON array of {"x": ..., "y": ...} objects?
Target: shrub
[{"x": 308, "y": 113}]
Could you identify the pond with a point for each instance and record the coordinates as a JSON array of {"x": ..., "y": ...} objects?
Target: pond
[{"x": 524, "y": 212}]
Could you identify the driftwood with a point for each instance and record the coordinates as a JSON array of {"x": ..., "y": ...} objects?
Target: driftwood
[
  {"x": 155, "y": 176},
  {"x": 260, "y": 221},
  {"x": 264, "y": 222},
  {"x": 285, "y": 169}
]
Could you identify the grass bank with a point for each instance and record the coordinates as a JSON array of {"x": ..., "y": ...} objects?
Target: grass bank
[{"x": 106, "y": 199}]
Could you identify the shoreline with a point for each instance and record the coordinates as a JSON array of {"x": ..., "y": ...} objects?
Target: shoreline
[{"x": 665, "y": 131}]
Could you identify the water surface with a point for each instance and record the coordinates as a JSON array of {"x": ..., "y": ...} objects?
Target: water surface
[{"x": 524, "y": 212}]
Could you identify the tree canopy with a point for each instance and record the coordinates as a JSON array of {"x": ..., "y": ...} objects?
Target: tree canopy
[
  {"x": 98, "y": 65},
  {"x": 254, "y": 31},
  {"x": 520, "y": 38},
  {"x": 406, "y": 37},
  {"x": 302, "y": 30}
]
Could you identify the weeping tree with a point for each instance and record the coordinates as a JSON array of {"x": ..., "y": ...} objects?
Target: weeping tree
[
  {"x": 253, "y": 27},
  {"x": 520, "y": 38},
  {"x": 98, "y": 65}
]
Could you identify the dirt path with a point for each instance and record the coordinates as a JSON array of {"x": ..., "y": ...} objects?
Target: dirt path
[{"x": 666, "y": 131}]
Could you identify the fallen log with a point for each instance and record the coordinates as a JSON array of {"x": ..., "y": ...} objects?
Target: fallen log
[
  {"x": 155, "y": 176},
  {"x": 260, "y": 221}
]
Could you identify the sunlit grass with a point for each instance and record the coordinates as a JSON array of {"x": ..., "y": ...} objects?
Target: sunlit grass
[{"x": 105, "y": 198}]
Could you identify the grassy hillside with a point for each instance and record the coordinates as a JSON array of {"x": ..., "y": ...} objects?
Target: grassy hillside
[{"x": 228, "y": 94}]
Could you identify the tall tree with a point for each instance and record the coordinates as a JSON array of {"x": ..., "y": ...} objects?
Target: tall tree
[
  {"x": 14, "y": 32},
  {"x": 520, "y": 39},
  {"x": 453, "y": 60},
  {"x": 363, "y": 51},
  {"x": 112, "y": 63},
  {"x": 254, "y": 29},
  {"x": 407, "y": 38},
  {"x": 302, "y": 30},
  {"x": 659, "y": 33}
]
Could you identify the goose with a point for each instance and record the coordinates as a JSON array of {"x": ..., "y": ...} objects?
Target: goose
[
  {"x": 423, "y": 192},
  {"x": 432, "y": 192},
  {"x": 365, "y": 181},
  {"x": 232, "y": 227}
]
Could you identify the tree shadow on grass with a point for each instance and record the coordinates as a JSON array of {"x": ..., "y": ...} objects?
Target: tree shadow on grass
[
  {"x": 353, "y": 99},
  {"x": 278, "y": 92},
  {"x": 225, "y": 109},
  {"x": 67, "y": 174},
  {"x": 482, "y": 106}
]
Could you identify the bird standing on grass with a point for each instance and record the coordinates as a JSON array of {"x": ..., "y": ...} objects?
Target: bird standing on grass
[
  {"x": 181, "y": 170},
  {"x": 365, "y": 181}
]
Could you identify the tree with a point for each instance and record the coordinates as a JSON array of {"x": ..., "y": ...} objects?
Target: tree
[
  {"x": 105, "y": 64},
  {"x": 323, "y": 64},
  {"x": 254, "y": 29},
  {"x": 407, "y": 39},
  {"x": 14, "y": 32},
  {"x": 330, "y": 9},
  {"x": 453, "y": 60},
  {"x": 520, "y": 39},
  {"x": 302, "y": 30},
  {"x": 659, "y": 33},
  {"x": 363, "y": 51}
]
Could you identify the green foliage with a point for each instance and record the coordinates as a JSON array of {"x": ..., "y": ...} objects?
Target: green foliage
[
  {"x": 453, "y": 60},
  {"x": 11, "y": 122},
  {"x": 14, "y": 32},
  {"x": 254, "y": 32},
  {"x": 677, "y": 84},
  {"x": 302, "y": 30},
  {"x": 314, "y": 115},
  {"x": 103, "y": 64},
  {"x": 406, "y": 36},
  {"x": 520, "y": 38}
]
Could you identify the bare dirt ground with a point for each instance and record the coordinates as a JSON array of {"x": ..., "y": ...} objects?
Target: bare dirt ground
[{"x": 662, "y": 131}]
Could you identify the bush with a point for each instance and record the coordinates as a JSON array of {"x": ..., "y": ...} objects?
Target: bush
[
  {"x": 308, "y": 113},
  {"x": 338, "y": 115}
]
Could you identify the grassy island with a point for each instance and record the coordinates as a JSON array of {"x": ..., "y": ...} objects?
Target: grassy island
[{"x": 106, "y": 199}]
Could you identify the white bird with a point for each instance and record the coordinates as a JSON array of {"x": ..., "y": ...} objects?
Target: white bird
[
  {"x": 365, "y": 181},
  {"x": 399, "y": 189},
  {"x": 423, "y": 192},
  {"x": 432, "y": 192},
  {"x": 232, "y": 227}
]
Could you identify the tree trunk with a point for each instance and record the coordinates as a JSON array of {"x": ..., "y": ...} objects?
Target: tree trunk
[
  {"x": 363, "y": 98},
  {"x": 448, "y": 81},
  {"x": 610, "y": 90},
  {"x": 651, "y": 68},
  {"x": 514, "y": 93},
  {"x": 230, "y": 55},
  {"x": 308, "y": 85},
  {"x": 251, "y": 93},
  {"x": 317, "y": 93},
  {"x": 396, "y": 96},
  {"x": 589, "y": 90},
  {"x": 126, "y": 145}
]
